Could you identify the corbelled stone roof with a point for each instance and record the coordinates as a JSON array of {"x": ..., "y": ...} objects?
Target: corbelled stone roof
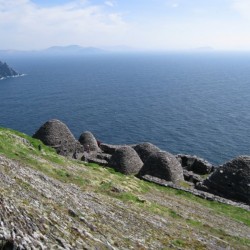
[
  {"x": 126, "y": 160},
  {"x": 88, "y": 141},
  {"x": 144, "y": 150},
  {"x": 163, "y": 165},
  {"x": 56, "y": 134}
]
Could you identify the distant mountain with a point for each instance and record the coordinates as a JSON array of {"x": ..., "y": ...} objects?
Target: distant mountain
[
  {"x": 205, "y": 48},
  {"x": 54, "y": 50},
  {"x": 71, "y": 49},
  {"x": 13, "y": 52},
  {"x": 118, "y": 48},
  {"x": 66, "y": 50},
  {"x": 6, "y": 71}
]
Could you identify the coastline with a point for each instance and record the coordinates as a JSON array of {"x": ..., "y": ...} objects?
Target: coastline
[{"x": 15, "y": 76}]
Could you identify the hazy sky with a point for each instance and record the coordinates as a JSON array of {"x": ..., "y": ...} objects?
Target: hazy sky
[{"x": 143, "y": 24}]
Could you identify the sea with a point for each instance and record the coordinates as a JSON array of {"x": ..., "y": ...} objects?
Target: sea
[{"x": 189, "y": 103}]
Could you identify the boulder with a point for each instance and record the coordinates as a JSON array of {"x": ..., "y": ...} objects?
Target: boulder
[
  {"x": 126, "y": 161},
  {"x": 88, "y": 141},
  {"x": 144, "y": 150},
  {"x": 56, "y": 134},
  {"x": 163, "y": 165},
  {"x": 195, "y": 164},
  {"x": 231, "y": 180}
]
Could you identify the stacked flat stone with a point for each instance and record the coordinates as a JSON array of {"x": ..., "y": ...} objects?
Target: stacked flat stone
[{"x": 144, "y": 150}]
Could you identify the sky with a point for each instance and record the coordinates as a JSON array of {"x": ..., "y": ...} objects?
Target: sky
[{"x": 137, "y": 24}]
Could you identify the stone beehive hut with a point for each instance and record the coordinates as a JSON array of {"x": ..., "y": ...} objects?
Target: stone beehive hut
[
  {"x": 144, "y": 150},
  {"x": 163, "y": 165},
  {"x": 126, "y": 161},
  {"x": 88, "y": 141},
  {"x": 56, "y": 134},
  {"x": 231, "y": 180}
]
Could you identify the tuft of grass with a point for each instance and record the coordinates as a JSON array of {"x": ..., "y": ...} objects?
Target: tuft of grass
[
  {"x": 174, "y": 214},
  {"x": 62, "y": 173},
  {"x": 185, "y": 184},
  {"x": 105, "y": 186},
  {"x": 92, "y": 165},
  {"x": 108, "y": 188},
  {"x": 113, "y": 171},
  {"x": 178, "y": 243},
  {"x": 129, "y": 197},
  {"x": 193, "y": 223}
]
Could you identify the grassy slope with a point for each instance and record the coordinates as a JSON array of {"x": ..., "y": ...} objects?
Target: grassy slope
[{"x": 187, "y": 215}]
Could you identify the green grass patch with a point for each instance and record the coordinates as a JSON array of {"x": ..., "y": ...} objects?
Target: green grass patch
[
  {"x": 109, "y": 189},
  {"x": 67, "y": 177},
  {"x": 62, "y": 173},
  {"x": 185, "y": 184},
  {"x": 113, "y": 171},
  {"x": 144, "y": 186},
  {"x": 129, "y": 197},
  {"x": 92, "y": 165},
  {"x": 174, "y": 214},
  {"x": 221, "y": 234},
  {"x": 13, "y": 148},
  {"x": 194, "y": 223},
  {"x": 235, "y": 213},
  {"x": 105, "y": 186},
  {"x": 178, "y": 243}
]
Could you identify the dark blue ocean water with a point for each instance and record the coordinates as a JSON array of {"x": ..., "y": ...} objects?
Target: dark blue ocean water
[{"x": 184, "y": 103}]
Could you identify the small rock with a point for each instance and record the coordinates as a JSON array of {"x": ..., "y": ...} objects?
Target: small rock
[{"x": 72, "y": 213}]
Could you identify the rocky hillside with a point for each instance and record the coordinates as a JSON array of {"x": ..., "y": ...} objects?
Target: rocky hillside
[
  {"x": 48, "y": 201},
  {"x": 6, "y": 71}
]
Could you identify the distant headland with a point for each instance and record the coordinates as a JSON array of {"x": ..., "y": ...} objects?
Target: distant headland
[{"x": 7, "y": 71}]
